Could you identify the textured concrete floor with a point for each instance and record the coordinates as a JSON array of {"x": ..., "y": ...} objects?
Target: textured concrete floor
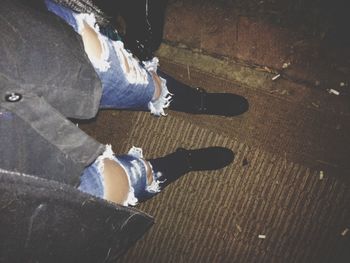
[
  {"x": 290, "y": 178},
  {"x": 218, "y": 216}
]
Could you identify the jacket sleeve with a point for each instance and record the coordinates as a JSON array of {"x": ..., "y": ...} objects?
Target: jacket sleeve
[
  {"x": 36, "y": 139},
  {"x": 43, "y": 55},
  {"x": 45, "y": 221},
  {"x": 45, "y": 77}
]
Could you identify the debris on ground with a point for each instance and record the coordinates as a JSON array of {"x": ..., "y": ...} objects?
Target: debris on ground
[
  {"x": 342, "y": 84},
  {"x": 345, "y": 232},
  {"x": 262, "y": 236},
  {"x": 333, "y": 91},
  {"x": 286, "y": 65},
  {"x": 239, "y": 228},
  {"x": 267, "y": 69},
  {"x": 245, "y": 162},
  {"x": 321, "y": 175},
  {"x": 188, "y": 72},
  {"x": 276, "y": 77},
  {"x": 315, "y": 105},
  {"x": 285, "y": 161}
]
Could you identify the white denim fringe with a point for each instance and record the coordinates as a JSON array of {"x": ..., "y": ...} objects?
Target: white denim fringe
[{"x": 158, "y": 105}]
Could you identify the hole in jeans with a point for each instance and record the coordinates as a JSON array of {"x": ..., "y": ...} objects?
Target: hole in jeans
[
  {"x": 157, "y": 86},
  {"x": 92, "y": 44},
  {"x": 127, "y": 67},
  {"x": 117, "y": 186}
]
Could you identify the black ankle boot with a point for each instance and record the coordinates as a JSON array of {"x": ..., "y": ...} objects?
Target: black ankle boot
[
  {"x": 174, "y": 165},
  {"x": 198, "y": 101}
]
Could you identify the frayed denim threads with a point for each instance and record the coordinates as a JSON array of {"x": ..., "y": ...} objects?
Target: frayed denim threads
[
  {"x": 127, "y": 83},
  {"x": 135, "y": 168}
]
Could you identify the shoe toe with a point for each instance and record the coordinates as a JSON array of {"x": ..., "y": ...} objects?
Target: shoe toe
[
  {"x": 211, "y": 158},
  {"x": 242, "y": 105},
  {"x": 226, "y": 104},
  {"x": 222, "y": 157},
  {"x": 235, "y": 105}
]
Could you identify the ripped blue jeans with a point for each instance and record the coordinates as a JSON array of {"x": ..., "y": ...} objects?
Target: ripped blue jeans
[
  {"x": 133, "y": 164},
  {"x": 126, "y": 84}
]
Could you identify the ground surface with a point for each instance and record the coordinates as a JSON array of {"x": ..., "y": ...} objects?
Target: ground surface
[{"x": 289, "y": 182}]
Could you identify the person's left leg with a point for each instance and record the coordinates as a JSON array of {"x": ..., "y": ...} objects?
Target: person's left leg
[
  {"x": 130, "y": 84},
  {"x": 198, "y": 101},
  {"x": 127, "y": 83}
]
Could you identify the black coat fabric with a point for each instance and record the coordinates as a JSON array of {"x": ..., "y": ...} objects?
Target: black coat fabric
[
  {"x": 43, "y": 62},
  {"x": 45, "y": 221},
  {"x": 41, "y": 54},
  {"x": 45, "y": 77}
]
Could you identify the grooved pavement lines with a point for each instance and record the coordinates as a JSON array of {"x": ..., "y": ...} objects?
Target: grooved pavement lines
[
  {"x": 280, "y": 123},
  {"x": 217, "y": 216}
]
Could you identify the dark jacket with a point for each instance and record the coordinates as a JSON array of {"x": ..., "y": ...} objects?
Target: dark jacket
[
  {"x": 44, "y": 65},
  {"x": 45, "y": 78}
]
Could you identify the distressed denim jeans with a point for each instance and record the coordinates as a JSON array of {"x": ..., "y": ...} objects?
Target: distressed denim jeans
[
  {"x": 135, "y": 168},
  {"x": 127, "y": 83}
]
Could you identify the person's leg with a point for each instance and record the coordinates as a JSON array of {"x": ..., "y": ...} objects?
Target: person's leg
[
  {"x": 174, "y": 165},
  {"x": 144, "y": 20},
  {"x": 115, "y": 176},
  {"x": 128, "y": 179},
  {"x": 143, "y": 37},
  {"x": 106, "y": 178},
  {"x": 126, "y": 84},
  {"x": 197, "y": 101},
  {"x": 123, "y": 179}
]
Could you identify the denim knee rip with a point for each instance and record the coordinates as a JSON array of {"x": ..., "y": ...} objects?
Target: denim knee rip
[
  {"x": 122, "y": 88},
  {"x": 101, "y": 63},
  {"x": 157, "y": 106},
  {"x": 116, "y": 56},
  {"x": 135, "y": 168}
]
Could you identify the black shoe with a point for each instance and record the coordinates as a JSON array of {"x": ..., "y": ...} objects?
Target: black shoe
[
  {"x": 174, "y": 165},
  {"x": 198, "y": 101}
]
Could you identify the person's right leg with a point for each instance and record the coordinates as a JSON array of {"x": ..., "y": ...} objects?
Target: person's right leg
[{"x": 128, "y": 179}]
